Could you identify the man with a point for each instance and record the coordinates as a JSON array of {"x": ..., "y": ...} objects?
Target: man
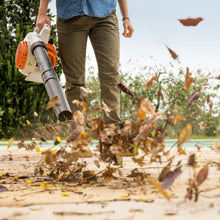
[{"x": 76, "y": 21}]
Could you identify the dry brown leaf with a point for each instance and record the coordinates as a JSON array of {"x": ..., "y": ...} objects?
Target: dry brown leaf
[
  {"x": 170, "y": 177},
  {"x": 87, "y": 90},
  {"x": 158, "y": 187},
  {"x": 164, "y": 172},
  {"x": 78, "y": 117},
  {"x": 78, "y": 103},
  {"x": 75, "y": 133},
  {"x": 202, "y": 175},
  {"x": 172, "y": 53},
  {"x": 52, "y": 102},
  {"x": 125, "y": 89},
  {"x": 150, "y": 82},
  {"x": 194, "y": 97},
  {"x": 108, "y": 174},
  {"x": 203, "y": 84},
  {"x": 145, "y": 105},
  {"x": 210, "y": 103},
  {"x": 106, "y": 108},
  {"x": 188, "y": 80},
  {"x": 185, "y": 135},
  {"x": 190, "y": 21},
  {"x": 218, "y": 77},
  {"x": 96, "y": 162},
  {"x": 141, "y": 114},
  {"x": 177, "y": 119},
  {"x": 139, "y": 161},
  {"x": 216, "y": 145},
  {"x": 192, "y": 160}
]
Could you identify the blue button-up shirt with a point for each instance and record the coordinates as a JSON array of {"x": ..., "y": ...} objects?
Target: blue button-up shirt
[{"x": 95, "y": 8}]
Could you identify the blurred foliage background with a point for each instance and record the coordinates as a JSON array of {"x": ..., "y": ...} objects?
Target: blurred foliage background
[{"x": 21, "y": 100}]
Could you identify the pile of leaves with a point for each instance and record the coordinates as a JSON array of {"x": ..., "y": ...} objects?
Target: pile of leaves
[{"x": 118, "y": 140}]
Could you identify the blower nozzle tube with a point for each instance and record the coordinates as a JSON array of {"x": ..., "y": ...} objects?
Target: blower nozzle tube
[{"x": 51, "y": 81}]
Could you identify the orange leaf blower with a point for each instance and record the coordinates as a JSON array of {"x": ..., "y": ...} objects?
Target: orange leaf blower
[{"x": 36, "y": 58}]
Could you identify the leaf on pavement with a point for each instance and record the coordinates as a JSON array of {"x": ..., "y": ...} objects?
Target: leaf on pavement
[{"x": 190, "y": 21}]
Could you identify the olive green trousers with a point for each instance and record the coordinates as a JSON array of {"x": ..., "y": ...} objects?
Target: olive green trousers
[{"x": 104, "y": 36}]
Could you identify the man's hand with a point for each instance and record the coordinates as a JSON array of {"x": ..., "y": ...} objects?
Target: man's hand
[
  {"x": 128, "y": 29},
  {"x": 42, "y": 20}
]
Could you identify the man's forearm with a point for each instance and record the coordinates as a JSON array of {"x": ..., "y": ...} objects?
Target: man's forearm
[
  {"x": 43, "y": 7},
  {"x": 124, "y": 8}
]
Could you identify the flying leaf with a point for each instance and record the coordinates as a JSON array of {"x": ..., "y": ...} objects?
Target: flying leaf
[
  {"x": 190, "y": 21},
  {"x": 141, "y": 114},
  {"x": 96, "y": 162},
  {"x": 75, "y": 133},
  {"x": 3, "y": 188},
  {"x": 194, "y": 97},
  {"x": 28, "y": 122},
  {"x": 87, "y": 90},
  {"x": 78, "y": 117},
  {"x": 106, "y": 108},
  {"x": 125, "y": 89},
  {"x": 188, "y": 80},
  {"x": 172, "y": 53},
  {"x": 202, "y": 175},
  {"x": 185, "y": 135},
  {"x": 216, "y": 145},
  {"x": 210, "y": 103},
  {"x": 108, "y": 174},
  {"x": 57, "y": 140},
  {"x": 192, "y": 161},
  {"x": 139, "y": 161},
  {"x": 52, "y": 102},
  {"x": 158, "y": 187},
  {"x": 145, "y": 105},
  {"x": 35, "y": 114},
  {"x": 150, "y": 82},
  {"x": 78, "y": 103},
  {"x": 170, "y": 177},
  {"x": 10, "y": 142},
  {"x": 164, "y": 172},
  {"x": 37, "y": 149}
]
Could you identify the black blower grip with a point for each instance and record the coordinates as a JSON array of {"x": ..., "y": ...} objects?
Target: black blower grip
[{"x": 51, "y": 81}]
